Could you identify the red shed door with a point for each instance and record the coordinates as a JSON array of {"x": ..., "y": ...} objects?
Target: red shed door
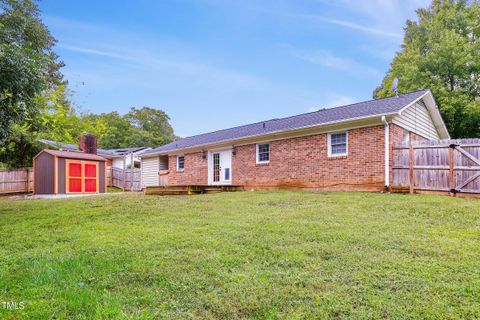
[
  {"x": 74, "y": 177},
  {"x": 91, "y": 177},
  {"x": 82, "y": 177}
]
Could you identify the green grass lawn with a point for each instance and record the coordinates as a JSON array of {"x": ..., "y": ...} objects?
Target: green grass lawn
[
  {"x": 281, "y": 254},
  {"x": 113, "y": 189}
]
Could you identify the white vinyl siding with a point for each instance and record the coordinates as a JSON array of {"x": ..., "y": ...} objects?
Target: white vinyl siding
[
  {"x": 150, "y": 169},
  {"x": 127, "y": 160},
  {"x": 417, "y": 119},
  {"x": 117, "y": 163}
]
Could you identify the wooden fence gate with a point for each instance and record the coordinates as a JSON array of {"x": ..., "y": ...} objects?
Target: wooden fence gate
[
  {"x": 442, "y": 165},
  {"x": 128, "y": 179}
]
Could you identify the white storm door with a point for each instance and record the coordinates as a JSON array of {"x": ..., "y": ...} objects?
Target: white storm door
[
  {"x": 221, "y": 167},
  {"x": 226, "y": 167}
]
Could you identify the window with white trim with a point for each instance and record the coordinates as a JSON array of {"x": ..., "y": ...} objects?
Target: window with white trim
[
  {"x": 337, "y": 144},
  {"x": 263, "y": 153},
  {"x": 180, "y": 163}
]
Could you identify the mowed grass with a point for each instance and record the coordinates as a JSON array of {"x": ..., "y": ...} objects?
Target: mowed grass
[{"x": 259, "y": 255}]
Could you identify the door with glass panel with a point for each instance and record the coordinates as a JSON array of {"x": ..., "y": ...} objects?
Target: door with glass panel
[{"x": 221, "y": 167}]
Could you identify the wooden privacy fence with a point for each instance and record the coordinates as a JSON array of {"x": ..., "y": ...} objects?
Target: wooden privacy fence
[
  {"x": 17, "y": 180},
  {"x": 129, "y": 179},
  {"x": 440, "y": 165},
  {"x": 21, "y": 180}
]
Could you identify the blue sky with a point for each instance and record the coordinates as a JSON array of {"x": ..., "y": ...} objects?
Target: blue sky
[{"x": 213, "y": 64}]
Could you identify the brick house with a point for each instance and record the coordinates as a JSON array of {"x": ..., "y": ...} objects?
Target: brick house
[{"x": 348, "y": 147}]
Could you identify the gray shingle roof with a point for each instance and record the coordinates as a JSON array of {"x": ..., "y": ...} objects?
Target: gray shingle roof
[
  {"x": 60, "y": 145},
  {"x": 118, "y": 152},
  {"x": 74, "y": 155},
  {"x": 103, "y": 152},
  {"x": 343, "y": 113}
]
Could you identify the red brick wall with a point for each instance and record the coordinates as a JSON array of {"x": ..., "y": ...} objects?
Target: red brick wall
[
  {"x": 195, "y": 172},
  {"x": 304, "y": 163}
]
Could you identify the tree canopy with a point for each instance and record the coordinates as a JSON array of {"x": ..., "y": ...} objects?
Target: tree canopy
[
  {"x": 28, "y": 65},
  {"x": 56, "y": 119},
  {"x": 441, "y": 52},
  {"x": 140, "y": 127},
  {"x": 34, "y": 98}
]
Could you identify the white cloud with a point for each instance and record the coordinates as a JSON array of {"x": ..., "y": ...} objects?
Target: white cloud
[
  {"x": 97, "y": 52},
  {"x": 324, "y": 58},
  {"x": 329, "y": 60},
  {"x": 200, "y": 74},
  {"x": 360, "y": 27},
  {"x": 338, "y": 101},
  {"x": 380, "y": 51},
  {"x": 335, "y": 100},
  {"x": 164, "y": 61},
  {"x": 384, "y": 17}
]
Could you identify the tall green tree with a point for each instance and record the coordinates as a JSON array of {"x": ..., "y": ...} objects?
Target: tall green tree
[
  {"x": 34, "y": 99},
  {"x": 28, "y": 65},
  {"x": 53, "y": 119},
  {"x": 56, "y": 119},
  {"x": 59, "y": 120},
  {"x": 140, "y": 127},
  {"x": 151, "y": 127},
  {"x": 441, "y": 52},
  {"x": 111, "y": 129}
]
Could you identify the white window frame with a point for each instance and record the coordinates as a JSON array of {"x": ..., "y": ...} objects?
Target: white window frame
[
  {"x": 257, "y": 158},
  {"x": 178, "y": 168},
  {"x": 329, "y": 143}
]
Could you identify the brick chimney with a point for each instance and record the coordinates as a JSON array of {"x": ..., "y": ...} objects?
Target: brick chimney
[{"x": 88, "y": 143}]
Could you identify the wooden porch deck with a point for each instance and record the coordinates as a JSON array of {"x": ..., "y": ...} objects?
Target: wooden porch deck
[{"x": 190, "y": 189}]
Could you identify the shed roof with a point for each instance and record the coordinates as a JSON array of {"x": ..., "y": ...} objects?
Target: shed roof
[
  {"x": 74, "y": 155},
  {"x": 371, "y": 108},
  {"x": 110, "y": 153}
]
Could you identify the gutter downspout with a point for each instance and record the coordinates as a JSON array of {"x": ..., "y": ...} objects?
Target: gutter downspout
[{"x": 387, "y": 152}]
